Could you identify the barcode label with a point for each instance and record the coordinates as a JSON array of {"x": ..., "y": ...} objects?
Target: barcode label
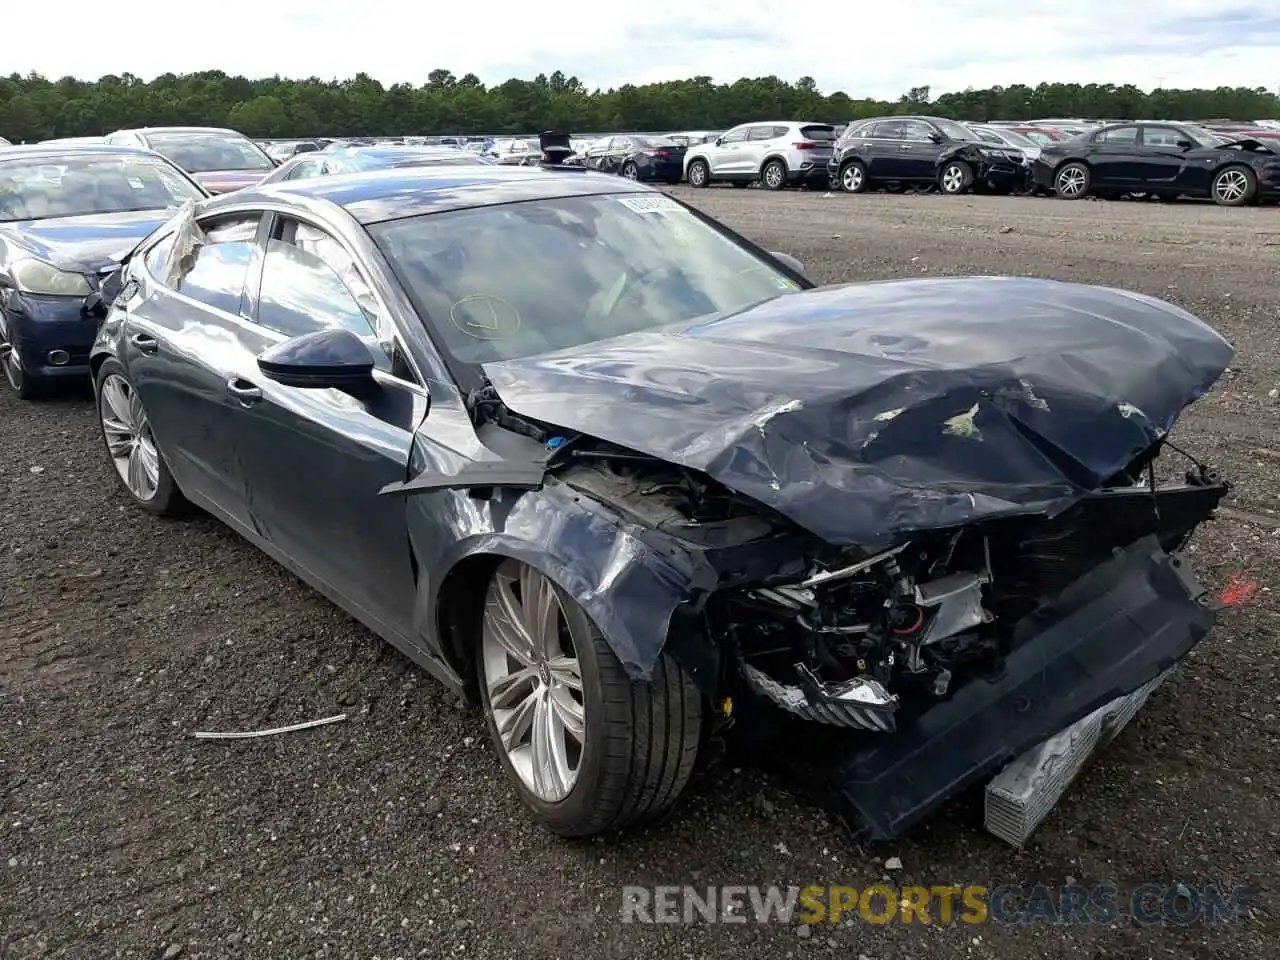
[{"x": 650, "y": 204}]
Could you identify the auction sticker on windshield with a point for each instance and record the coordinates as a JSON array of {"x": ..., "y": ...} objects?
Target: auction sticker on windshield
[{"x": 650, "y": 204}]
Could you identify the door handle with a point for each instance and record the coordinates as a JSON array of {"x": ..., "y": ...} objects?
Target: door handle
[
  {"x": 905, "y": 146},
  {"x": 244, "y": 391},
  {"x": 144, "y": 343}
]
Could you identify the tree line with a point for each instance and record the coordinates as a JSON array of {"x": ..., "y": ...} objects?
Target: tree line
[{"x": 35, "y": 108}]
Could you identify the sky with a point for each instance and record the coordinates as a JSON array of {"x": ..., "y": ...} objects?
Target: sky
[{"x": 866, "y": 49}]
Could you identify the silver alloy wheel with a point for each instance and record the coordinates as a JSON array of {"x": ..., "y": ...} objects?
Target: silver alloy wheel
[
  {"x": 773, "y": 176},
  {"x": 630, "y": 172},
  {"x": 1231, "y": 186},
  {"x": 952, "y": 179},
  {"x": 128, "y": 435},
  {"x": 534, "y": 683},
  {"x": 1071, "y": 181},
  {"x": 697, "y": 174},
  {"x": 851, "y": 179}
]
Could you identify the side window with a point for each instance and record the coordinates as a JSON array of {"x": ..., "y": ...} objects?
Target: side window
[
  {"x": 303, "y": 170},
  {"x": 890, "y": 130},
  {"x": 157, "y": 257},
  {"x": 736, "y": 135},
  {"x": 916, "y": 130},
  {"x": 1121, "y": 136},
  {"x": 222, "y": 262},
  {"x": 760, "y": 133},
  {"x": 309, "y": 282},
  {"x": 1161, "y": 136}
]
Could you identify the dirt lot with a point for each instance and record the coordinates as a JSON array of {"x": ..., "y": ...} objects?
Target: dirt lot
[{"x": 393, "y": 834}]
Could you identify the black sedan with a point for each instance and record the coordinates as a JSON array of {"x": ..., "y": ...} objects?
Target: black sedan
[
  {"x": 923, "y": 151},
  {"x": 67, "y": 215},
  {"x": 638, "y": 158},
  {"x": 1166, "y": 160},
  {"x": 554, "y": 436}
]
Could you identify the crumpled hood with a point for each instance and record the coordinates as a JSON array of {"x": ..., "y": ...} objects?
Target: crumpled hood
[
  {"x": 85, "y": 244},
  {"x": 866, "y": 411},
  {"x": 224, "y": 181}
]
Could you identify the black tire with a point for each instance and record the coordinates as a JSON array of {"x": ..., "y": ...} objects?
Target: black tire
[
  {"x": 698, "y": 173},
  {"x": 955, "y": 177},
  {"x": 642, "y": 738},
  {"x": 773, "y": 175},
  {"x": 1072, "y": 180},
  {"x": 22, "y": 384},
  {"x": 853, "y": 177},
  {"x": 630, "y": 170},
  {"x": 168, "y": 500},
  {"x": 1234, "y": 186}
]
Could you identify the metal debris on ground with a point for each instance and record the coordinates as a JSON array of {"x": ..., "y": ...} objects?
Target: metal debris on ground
[{"x": 249, "y": 734}]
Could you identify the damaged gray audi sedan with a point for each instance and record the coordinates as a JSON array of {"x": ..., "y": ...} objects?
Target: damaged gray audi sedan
[{"x": 623, "y": 476}]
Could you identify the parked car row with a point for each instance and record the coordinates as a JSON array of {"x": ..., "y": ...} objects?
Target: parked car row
[{"x": 551, "y": 434}]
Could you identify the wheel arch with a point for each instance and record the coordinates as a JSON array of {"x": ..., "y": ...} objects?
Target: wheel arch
[
  {"x": 632, "y": 590},
  {"x": 770, "y": 159}
]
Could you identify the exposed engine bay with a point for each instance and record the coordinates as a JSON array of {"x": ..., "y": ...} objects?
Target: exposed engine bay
[{"x": 855, "y": 638}]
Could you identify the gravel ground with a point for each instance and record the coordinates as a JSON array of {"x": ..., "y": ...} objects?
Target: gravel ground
[{"x": 394, "y": 835}]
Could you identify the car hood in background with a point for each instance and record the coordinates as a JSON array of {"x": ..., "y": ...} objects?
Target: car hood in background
[
  {"x": 85, "y": 244},
  {"x": 866, "y": 411},
  {"x": 224, "y": 181}
]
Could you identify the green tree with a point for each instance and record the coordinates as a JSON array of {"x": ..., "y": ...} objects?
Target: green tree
[{"x": 33, "y": 107}]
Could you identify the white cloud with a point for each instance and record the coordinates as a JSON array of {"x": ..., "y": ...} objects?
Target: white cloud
[{"x": 877, "y": 50}]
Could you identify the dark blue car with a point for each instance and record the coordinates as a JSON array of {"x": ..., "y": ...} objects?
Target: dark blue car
[
  {"x": 68, "y": 215},
  {"x": 626, "y": 478}
]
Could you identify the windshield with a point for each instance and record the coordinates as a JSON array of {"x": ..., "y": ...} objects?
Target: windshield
[
  {"x": 955, "y": 131},
  {"x": 205, "y": 152},
  {"x": 78, "y": 186},
  {"x": 519, "y": 279}
]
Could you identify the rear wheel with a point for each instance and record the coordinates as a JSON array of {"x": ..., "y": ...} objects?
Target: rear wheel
[
  {"x": 853, "y": 177},
  {"x": 134, "y": 454},
  {"x": 1234, "y": 186},
  {"x": 1072, "y": 180},
  {"x": 774, "y": 175},
  {"x": 630, "y": 170},
  {"x": 589, "y": 748},
  {"x": 699, "y": 173}
]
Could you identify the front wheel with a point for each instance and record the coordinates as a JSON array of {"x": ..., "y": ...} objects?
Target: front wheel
[
  {"x": 131, "y": 446},
  {"x": 956, "y": 177},
  {"x": 699, "y": 173},
  {"x": 589, "y": 749},
  {"x": 1234, "y": 187},
  {"x": 774, "y": 175},
  {"x": 25, "y": 385},
  {"x": 630, "y": 170}
]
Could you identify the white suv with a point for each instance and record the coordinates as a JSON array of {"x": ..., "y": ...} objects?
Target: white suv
[{"x": 778, "y": 153}]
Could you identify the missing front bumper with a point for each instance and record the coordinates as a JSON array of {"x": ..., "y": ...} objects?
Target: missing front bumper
[{"x": 1110, "y": 633}]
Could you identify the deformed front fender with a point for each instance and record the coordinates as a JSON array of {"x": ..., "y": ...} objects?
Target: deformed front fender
[{"x": 629, "y": 579}]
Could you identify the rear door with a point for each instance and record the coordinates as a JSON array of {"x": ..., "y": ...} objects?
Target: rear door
[
  {"x": 1116, "y": 157},
  {"x": 182, "y": 344},
  {"x": 886, "y": 151},
  {"x": 315, "y": 460}
]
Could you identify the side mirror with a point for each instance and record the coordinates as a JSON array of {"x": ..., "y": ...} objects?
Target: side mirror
[
  {"x": 719, "y": 141},
  {"x": 332, "y": 359},
  {"x": 1186, "y": 145},
  {"x": 935, "y": 137},
  {"x": 788, "y": 261}
]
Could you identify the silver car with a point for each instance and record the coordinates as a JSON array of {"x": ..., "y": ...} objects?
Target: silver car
[{"x": 777, "y": 153}]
